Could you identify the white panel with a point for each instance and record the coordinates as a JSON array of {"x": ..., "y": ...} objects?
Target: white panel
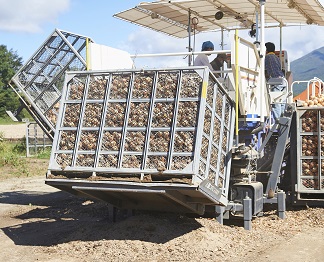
[{"x": 105, "y": 57}]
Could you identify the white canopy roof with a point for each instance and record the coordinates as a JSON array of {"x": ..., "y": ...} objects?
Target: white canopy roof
[{"x": 171, "y": 17}]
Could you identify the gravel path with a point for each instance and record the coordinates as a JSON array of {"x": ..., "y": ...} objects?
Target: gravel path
[{"x": 13, "y": 131}]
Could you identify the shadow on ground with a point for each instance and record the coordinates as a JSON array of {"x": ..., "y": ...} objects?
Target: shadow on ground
[
  {"x": 54, "y": 218},
  {"x": 36, "y": 198}
]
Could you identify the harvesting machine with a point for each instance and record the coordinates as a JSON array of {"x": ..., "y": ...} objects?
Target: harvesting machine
[{"x": 180, "y": 139}]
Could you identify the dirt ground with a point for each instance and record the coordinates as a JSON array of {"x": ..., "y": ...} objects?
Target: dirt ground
[
  {"x": 41, "y": 223},
  {"x": 13, "y": 131}
]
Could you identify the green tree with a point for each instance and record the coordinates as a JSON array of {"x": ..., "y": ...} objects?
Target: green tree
[{"x": 10, "y": 62}]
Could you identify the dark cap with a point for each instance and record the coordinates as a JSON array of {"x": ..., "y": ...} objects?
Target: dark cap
[
  {"x": 207, "y": 45},
  {"x": 270, "y": 47}
]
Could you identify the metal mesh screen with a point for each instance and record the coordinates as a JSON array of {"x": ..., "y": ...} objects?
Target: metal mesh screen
[
  {"x": 41, "y": 78},
  {"x": 145, "y": 121},
  {"x": 217, "y": 137},
  {"x": 310, "y": 145}
]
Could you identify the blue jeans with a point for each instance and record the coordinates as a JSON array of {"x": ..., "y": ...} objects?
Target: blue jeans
[{"x": 278, "y": 108}]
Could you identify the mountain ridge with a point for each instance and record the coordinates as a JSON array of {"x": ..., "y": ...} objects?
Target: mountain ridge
[{"x": 307, "y": 67}]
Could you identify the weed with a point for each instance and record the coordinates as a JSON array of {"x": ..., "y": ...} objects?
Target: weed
[
  {"x": 20, "y": 146},
  {"x": 11, "y": 157},
  {"x": 44, "y": 153}
]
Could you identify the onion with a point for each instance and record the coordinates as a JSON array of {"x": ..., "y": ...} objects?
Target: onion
[
  {"x": 307, "y": 171},
  {"x": 314, "y": 101}
]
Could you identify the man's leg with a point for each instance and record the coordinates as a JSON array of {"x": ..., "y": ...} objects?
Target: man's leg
[{"x": 276, "y": 110}]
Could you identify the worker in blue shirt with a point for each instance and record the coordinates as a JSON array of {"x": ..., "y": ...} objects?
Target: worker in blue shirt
[
  {"x": 272, "y": 62},
  {"x": 273, "y": 70}
]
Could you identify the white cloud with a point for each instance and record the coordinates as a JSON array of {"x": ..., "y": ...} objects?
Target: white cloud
[
  {"x": 296, "y": 40},
  {"x": 309, "y": 39},
  {"x": 145, "y": 41},
  {"x": 29, "y": 16}
]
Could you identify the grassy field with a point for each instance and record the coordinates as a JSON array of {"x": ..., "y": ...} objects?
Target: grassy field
[{"x": 8, "y": 121}]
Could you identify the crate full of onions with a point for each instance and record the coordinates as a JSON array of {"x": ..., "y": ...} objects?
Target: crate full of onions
[{"x": 148, "y": 126}]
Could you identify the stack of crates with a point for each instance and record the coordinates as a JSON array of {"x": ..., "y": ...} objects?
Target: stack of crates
[
  {"x": 171, "y": 125},
  {"x": 310, "y": 153},
  {"x": 40, "y": 80}
]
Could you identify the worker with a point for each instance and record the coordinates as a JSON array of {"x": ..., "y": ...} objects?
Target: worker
[
  {"x": 202, "y": 59},
  {"x": 218, "y": 63},
  {"x": 273, "y": 70}
]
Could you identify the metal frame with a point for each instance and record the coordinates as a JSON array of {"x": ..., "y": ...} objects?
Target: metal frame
[
  {"x": 40, "y": 81},
  {"x": 131, "y": 195},
  {"x": 308, "y": 183},
  {"x": 213, "y": 105},
  {"x": 35, "y": 139}
]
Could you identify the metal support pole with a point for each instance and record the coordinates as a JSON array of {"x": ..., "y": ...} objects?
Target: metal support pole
[
  {"x": 247, "y": 212},
  {"x": 281, "y": 52},
  {"x": 220, "y": 214},
  {"x": 262, "y": 55},
  {"x": 35, "y": 138},
  {"x": 88, "y": 66},
  {"x": 257, "y": 26},
  {"x": 189, "y": 37},
  {"x": 283, "y": 134},
  {"x": 27, "y": 141},
  {"x": 222, "y": 39},
  {"x": 112, "y": 213},
  {"x": 236, "y": 88},
  {"x": 281, "y": 198}
]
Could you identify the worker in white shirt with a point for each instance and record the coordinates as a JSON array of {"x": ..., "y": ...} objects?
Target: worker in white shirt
[{"x": 202, "y": 59}]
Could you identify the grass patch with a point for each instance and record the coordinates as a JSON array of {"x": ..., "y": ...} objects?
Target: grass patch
[
  {"x": 14, "y": 163},
  {"x": 9, "y": 158},
  {"x": 11, "y": 155},
  {"x": 6, "y": 120},
  {"x": 44, "y": 153}
]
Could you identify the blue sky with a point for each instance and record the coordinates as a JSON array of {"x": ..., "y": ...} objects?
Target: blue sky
[
  {"x": 88, "y": 18},
  {"x": 26, "y": 24}
]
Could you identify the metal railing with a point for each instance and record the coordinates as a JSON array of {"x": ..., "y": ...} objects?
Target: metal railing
[{"x": 36, "y": 139}]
